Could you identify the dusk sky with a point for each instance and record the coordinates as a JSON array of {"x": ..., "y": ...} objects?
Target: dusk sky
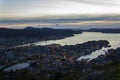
[{"x": 45, "y": 9}]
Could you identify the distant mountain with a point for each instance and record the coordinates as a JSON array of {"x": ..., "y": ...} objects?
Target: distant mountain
[
  {"x": 104, "y": 30},
  {"x": 36, "y": 32}
]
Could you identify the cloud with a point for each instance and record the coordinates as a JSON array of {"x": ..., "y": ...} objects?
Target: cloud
[
  {"x": 100, "y": 2},
  {"x": 39, "y": 8}
]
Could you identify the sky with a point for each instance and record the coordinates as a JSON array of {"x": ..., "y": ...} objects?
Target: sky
[{"x": 47, "y": 9}]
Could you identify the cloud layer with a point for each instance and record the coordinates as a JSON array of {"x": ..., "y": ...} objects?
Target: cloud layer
[{"x": 39, "y": 8}]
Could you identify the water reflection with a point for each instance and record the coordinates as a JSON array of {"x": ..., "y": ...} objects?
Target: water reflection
[
  {"x": 84, "y": 37},
  {"x": 17, "y": 67},
  {"x": 94, "y": 54},
  {"x": 114, "y": 40}
]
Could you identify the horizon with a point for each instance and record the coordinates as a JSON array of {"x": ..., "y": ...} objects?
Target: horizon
[{"x": 105, "y": 21}]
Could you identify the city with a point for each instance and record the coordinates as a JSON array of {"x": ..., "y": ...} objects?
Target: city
[{"x": 59, "y": 39}]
